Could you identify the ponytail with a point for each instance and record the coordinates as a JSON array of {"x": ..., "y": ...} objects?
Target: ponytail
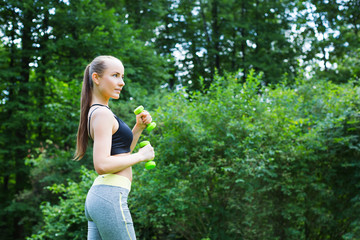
[{"x": 86, "y": 97}]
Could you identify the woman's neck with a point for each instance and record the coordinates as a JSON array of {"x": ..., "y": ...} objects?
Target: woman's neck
[{"x": 99, "y": 99}]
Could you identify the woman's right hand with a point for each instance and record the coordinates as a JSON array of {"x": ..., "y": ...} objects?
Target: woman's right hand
[{"x": 147, "y": 153}]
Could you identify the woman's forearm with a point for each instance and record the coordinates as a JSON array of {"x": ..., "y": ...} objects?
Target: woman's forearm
[
  {"x": 113, "y": 164},
  {"x": 136, "y": 135}
]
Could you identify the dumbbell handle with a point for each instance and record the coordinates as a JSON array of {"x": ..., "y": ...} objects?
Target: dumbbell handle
[
  {"x": 150, "y": 126},
  {"x": 150, "y": 164}
]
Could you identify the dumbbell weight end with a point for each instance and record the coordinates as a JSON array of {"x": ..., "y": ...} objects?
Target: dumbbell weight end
[
  {"x": 150, "y": 165},
  {"x": 138, "y": 110}
]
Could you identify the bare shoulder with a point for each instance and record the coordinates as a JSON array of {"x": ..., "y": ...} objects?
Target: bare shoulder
[
  {"x": 102, "y": 114},
  {"x": 101, "y": 122}
]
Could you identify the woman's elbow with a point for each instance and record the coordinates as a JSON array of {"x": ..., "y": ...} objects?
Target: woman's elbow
[
  {"x": 99, "y": 171},
  {"x": 100, "y": 167}
]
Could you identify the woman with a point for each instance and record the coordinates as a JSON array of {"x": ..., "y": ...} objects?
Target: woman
[{"x": 106, "y": 203}]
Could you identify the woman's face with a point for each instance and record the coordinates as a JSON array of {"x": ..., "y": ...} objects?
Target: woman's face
[{"x": 112, "y": 80}]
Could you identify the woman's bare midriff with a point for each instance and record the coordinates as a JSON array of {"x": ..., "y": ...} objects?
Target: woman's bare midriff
[{"x": 127, "y": 172}]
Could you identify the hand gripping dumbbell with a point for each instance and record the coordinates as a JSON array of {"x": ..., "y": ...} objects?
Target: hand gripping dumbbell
[
  {"x": 150, "y": 126},
  {"x": 150, "y": 164}
]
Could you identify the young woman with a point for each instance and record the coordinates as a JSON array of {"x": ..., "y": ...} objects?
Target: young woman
[{"x": 106, "y": 203}]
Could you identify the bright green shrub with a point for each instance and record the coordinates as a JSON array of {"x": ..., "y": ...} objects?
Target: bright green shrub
[{"x": 246, "y": 161}]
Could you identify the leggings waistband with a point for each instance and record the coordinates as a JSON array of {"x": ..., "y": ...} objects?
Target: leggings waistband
[{"x": 113, "y": 180}]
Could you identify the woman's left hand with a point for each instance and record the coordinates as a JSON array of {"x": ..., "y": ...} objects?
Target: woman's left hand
[{"x": 143, "y": 119}]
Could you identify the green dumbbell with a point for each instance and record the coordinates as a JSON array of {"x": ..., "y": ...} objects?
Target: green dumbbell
[
  {"x": 150, "y": 126},
  {"x": 150, "y": 164}
]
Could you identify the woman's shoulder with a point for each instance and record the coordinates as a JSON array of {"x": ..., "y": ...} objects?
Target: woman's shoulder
[{"x": 101, "y": 113}]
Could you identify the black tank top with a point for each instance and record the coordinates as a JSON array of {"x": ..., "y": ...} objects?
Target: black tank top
[{"x": 121, "y": 139}]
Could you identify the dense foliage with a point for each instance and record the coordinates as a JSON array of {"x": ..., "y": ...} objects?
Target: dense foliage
[
  {"x": 239, "y": 143},
  {"x": 241, "y": 161}
]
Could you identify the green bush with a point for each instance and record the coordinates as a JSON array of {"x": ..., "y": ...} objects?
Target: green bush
[
  {"x": 245, "y": 161},
  {"x": 241, "y": 161},
  {"x": 66, "y": 219}
]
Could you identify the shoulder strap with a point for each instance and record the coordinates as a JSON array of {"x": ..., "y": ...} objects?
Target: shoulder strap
[
  {"x": 89, "y": 121},
  {"x": 102, "y": 105}
]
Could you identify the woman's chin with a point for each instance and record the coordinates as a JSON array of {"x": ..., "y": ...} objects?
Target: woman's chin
[{"x": 115, "y": 96}]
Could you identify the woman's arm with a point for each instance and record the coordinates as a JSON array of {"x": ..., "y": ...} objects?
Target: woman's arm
[
  {"x": 136, "y": 135},
  {"x": 142, "y": 120},
  {"x": 102, "y": 124}
]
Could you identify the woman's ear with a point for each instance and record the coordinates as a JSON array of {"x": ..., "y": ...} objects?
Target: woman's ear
[{"x": 95, "y": 77}]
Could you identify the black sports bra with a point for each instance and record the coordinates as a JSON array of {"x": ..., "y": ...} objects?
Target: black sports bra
[{"x": 121, "y": 139}]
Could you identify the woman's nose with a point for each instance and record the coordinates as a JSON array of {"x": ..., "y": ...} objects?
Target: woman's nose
[{"x": 121, "y": 82}]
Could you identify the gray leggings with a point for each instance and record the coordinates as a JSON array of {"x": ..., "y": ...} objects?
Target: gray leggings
[{"x": 107, "y": 211}]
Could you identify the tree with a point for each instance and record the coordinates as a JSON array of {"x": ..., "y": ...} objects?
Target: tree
[
  {"x": 225, "y": 36},
  {"x": 332, "y": 30},
  {"x": 46, "y": 46},
  {"x": 16, "y": 101}
]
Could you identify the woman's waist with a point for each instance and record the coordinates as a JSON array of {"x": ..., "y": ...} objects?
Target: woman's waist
[{"x": 111, "y": 179}]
